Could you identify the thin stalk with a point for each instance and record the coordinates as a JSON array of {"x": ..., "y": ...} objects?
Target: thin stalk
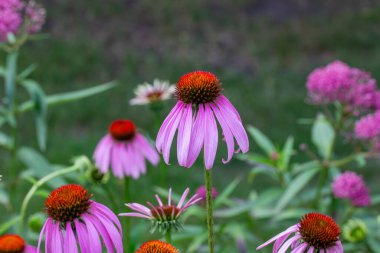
[
  {"x": 322, "y": 180},
  {"x": 77, "y": 166},
  {"x": 210, "y": 220},
  {"x": 127, "y": 199},
  {"x": 10, "y": 79},
  {"x": 168, "y": 236}
]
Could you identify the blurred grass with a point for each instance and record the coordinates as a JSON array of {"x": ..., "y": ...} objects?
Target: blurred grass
[{"x": 261, "y": 57}]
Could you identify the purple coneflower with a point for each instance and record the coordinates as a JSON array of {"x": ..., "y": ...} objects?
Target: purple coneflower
[
  {"x": 11, "y": 243},
  {"x": 164, "y": 217},
  {"x": 156, "y": 246},
  {"x": 313, "y": 232},
  {"x": 147, "y": 93},
  {"x": 350, "y": 185},
  {"x": 73, "y": 218},
  {"x": 124, "y": 150},
  {"x": 199, "y": 102}
]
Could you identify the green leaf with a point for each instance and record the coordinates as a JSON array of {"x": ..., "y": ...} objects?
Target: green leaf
[
  {"x": 286, "y": 153},
  {"x": 235, "y": 210},
  {"x": 26, "y": 72},
  {"x": 323, "y": 136},
  {"x": 40, "y": 108},
  {"x": 69, "y": 96},
  {"x": 295, "y": 186},
  {"x": 373, "y": 244},
  {"x": 298, "y": 168},
  {"x": 4, "y": 197},
  {"x": 262, "y": 140},
  {"x": 38, "y": 165},
  {"x": 227, "y": 192},
  {"x": 269, "y": 171},
  {"x": 6, "y": 141},
  {"x": 6, "y": 226},
  {"x": 2, "y": 71}
]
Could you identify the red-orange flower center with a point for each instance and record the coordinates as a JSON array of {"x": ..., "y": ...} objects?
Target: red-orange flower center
[
  {"x": 157, "y": 246},
  {"x": 165, "y": 213},
  {"x": 67, "y": 203},
  {"x": 122, "y": 130},
  {"x": 319, "y": 230},
  {"x": 198, "y": 87},
  {"x": 11, "y": 244}
]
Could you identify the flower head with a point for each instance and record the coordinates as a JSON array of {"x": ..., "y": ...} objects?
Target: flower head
[
  {"x": 201, "y": 192},
  {"x": 368, "y": 127},
  {"x": 350, "y": 185},
  {"x": 163, "y": 216},
  {"x": 147, "y": 93},
  {"x": 338, "y": 82},
  {"x": 157, "y": 246},
  {"x": 73, "y": 218},
  {"x": 124, "y": 150},
  {"x": 10, "y": 22},
  {"x": 11, "y": 243},
  {"x": 355, "y": 231},
  {"x": 313, "y": 232},
  {"x": 36, "y": 16},
  {"x": 199, "y": 102}
]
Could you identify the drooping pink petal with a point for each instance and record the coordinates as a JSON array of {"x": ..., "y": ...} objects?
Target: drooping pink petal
[
  {"x": 57, "y": 240},
  {"x": 102, "y": 232},
  {"x": 107, "y": 212},
  {"x": 116, "y": 153},
  {"x": 83, "y": 239},
  {"x": 184, "y": 133},
  {"x": 102, "y": 154},
  {"x": 164, "y": 127},
  {"x": 113, "y": 233},
  {"x": 172, "y": 128},
  {"x": 311, "y": 249},
  {"x": 197, "y": 137},
  {"x": 149, "y": 152},
  {"x": 211, "y": 138},
  {"x": 30, "y": 249},
  {"x": 93, "y": 236},
  {"x": 224, "y": 100},
  {"x": 235, "y": 126},
  {"x": 277, "y": 244},
  {"x": 139, "y": 208},
  {"x": 70, "y": 245},
  {"x": 287, "y": 244},
  {"x": 289, "y": 231},
  {"x": 226, "y": 132},
  {"x": 43, "y": 231},
  {"x": 300, "y": 248}
]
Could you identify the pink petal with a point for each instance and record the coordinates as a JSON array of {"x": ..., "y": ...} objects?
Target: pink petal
[
  {"x": 235, "y": 126},
  {"x": 102, "y": 231},
  {"x": 30, "y": 249},
  {"x": 57, "y": 240},
  {"x": 170, "y": 197},
  {"x": 113, "y": 233},
  {"x": 311, "y": 249},
  {"x": 93, "y": 236},
  {"x": 164, "y": 127},
  {"x": 139, "y": 208},
  {"x": 288, "y": 231},
  {"x": 287, "y": 244},
  {"x": 70, "y": 241},
  {"x": 102, "y": 154},
  {"x": 107, "y": 213},
  {"x": 83, "y": 239},
  {"x": 211, "y": 138},
  {"x": 139, "y": 215},
  {"x": 197, "y": 137},
  {"x": 301, "y": 248},
  {"x": 43, "y": 230},
  {"x": 158, "y": 200},
  {"x": 149, "y": 152},
  {"x": 226, "y": 132},
  {"x": 184, "y": 133},
  {"x": 184, "y": 195},
  {"x": 116, "y": 153},
  {"x": 224, "y": 100}
]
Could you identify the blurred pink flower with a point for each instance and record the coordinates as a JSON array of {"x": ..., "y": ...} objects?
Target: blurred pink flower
[
  {"x": 368, "y": 126},
  {"x": 147, "y": 93},
  {"x": 10, "y": 243},
  {"x": 350, "y": 185},
  {"x": 199, "y": 102},
  {"x": 74, "y": 219},
  {"x": 10, "y": 4},
  {"x": 10, "y": 21},
  {"x": 338, "y": 82},
  {"x": 201, "y": 192},
  {"x": 124, "y": 150},
  {"x": 164, "y": 216},
  {"x": 36, "y": 16},
  {"x": 313, "y": 232}
]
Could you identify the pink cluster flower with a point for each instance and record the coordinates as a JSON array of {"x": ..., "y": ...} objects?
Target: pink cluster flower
[
  {"x": 368, "y": 127},
  {"x": 201, "y": 192},
  {"x": 350, "y": 185},
  {"x": 338, "y": 82},
  {"x": 10, "y": 17}
]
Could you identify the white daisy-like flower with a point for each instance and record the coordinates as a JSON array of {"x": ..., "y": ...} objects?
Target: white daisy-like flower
[{"x": 147, "y": 93}]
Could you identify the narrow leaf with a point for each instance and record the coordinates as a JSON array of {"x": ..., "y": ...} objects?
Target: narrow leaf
[{"x": 262, "y": 140}]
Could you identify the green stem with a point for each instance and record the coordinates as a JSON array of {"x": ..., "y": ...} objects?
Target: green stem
[
  {"x": 127, "y": 199},
  {"x": 78, "y": 164},
  {"x": 168, "y": 236},
  {"x": 348, "y": 215},
  {"x": 10, "y": 79},
  {"x": 321, "y": 183},
  {"x": 210, "y": 221}
]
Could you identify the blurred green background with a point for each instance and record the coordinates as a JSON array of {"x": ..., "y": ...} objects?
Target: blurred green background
[{"x": 262, "y": 51}]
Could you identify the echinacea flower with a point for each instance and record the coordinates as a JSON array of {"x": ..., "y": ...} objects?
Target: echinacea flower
[
  {"x": 199, "y": 102},
  {"x": 124, "y": 150},
  {"x": 11, "y": 243},
  {"x": 156, "y": 246},
  {"x": 147, "y": 93},
  {"x": 338, "y": 82},
  {"x": 314, "y": 231},
  {"x": 74, "y": 219},
  {"x": 350, "y": 185},
  {"x": 164, "y": 216}
]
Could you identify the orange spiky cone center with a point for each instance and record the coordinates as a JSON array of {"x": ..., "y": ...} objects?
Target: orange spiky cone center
[
  {"x": 122, "y": 130},
  {"x": 67, "y": 203},
  {"x": 11, "y": 244},
  {"x": 319, "y": 230},
  {"x": 157, "y": 246},
  {"x": 198, "y": 87}
]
